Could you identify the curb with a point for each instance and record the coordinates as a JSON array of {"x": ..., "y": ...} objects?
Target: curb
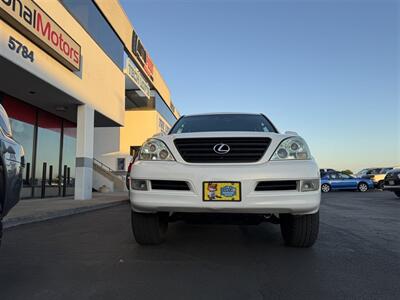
[{"x": 16, "y": 221}]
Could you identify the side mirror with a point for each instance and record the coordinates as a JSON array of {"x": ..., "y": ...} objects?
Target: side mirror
[{"x": 291, "y": 133}]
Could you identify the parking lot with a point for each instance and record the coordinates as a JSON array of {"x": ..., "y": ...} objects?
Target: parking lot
[{"x": 94, "y": 256}]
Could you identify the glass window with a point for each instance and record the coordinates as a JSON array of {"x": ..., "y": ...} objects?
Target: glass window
[
  {"x": 373, "y": 171},
  {"x": 120, "y": 164},
  {"x": 385, "y": 170},
  {"x": 333, "y": 176},
  {"x": 23, "y": 120},
  {"x": 344, "y": 176},
  {"x": 362, "y": 172},
  {"x": 68, "y": 157},
  {"x": 48, "y": 151},
  {"x": 89, "y": 16},
  {"x": 4, "y": 121},
  {"x": 223, "y": 122},
  {"x": 164, "y": 110}
]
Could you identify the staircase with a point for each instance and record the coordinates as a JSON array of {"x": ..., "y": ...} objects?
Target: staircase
[{"x": 114, "y": 180}]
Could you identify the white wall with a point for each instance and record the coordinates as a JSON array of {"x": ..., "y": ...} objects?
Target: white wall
[
  {"x": 106, "y": 141},
  {"x": 99, "y": 180}
]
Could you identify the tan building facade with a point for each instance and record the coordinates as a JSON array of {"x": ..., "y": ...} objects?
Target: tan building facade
[{"x": 72, "y": 74}]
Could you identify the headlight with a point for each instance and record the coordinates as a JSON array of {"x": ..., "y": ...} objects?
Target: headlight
[
  {"x": 398, "y": 176},
  {"x": 292, "y": 148},
  {"x": 154, "y": 149},
  {"x": 309, "y": 185}
]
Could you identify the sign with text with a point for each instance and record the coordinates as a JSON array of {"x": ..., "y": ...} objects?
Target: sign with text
[
  {"x": 143, "y": 56},
  {"x": 28, "y": 18},
  {"x": 134, "y": 74}
]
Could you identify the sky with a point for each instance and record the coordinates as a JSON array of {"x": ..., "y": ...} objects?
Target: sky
[{"x": 326, "y": 69}]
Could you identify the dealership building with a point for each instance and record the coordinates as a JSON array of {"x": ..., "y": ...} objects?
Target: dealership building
[{"x": 81, "y": 91}]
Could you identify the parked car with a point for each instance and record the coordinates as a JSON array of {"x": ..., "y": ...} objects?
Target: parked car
[
  {"x": 11, "y": 164},
  {"x": 377, "y": 175},
  {"x": 322, "y": 172},
  {"x": 340, "y": 181},
  {"x": 392, "y": 181},
  {"x": 227, "y": 165}
]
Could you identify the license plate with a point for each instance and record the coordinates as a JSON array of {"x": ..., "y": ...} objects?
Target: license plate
[
  {"x": 391, "y": 182},
  {"x": 221, "y": 191}
]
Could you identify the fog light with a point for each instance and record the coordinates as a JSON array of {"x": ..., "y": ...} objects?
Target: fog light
[
  {"x": 140, "y": 185},
  {"x": 309, "y": 185}
]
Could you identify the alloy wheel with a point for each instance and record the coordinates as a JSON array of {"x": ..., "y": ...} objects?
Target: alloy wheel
[
  {"x": 325, "y": 188},
  {"x": 362, "y": 187}
]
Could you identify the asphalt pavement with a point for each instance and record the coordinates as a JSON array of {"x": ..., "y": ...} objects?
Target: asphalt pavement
[{"x": 94, "y": 256}]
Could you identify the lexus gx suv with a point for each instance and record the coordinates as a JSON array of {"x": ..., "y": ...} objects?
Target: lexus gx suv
[{"x": 228, "y": 166}]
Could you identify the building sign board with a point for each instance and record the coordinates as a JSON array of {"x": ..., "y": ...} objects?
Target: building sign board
[
  {"x": 28, "y": 18},
  {"x": 134, "y": 74},
  {"x": 142, "y": 55},
  {"x": 163, "y": 126}
]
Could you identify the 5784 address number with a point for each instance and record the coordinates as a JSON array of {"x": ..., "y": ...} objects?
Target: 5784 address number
[{"x": 20, "y": 48}]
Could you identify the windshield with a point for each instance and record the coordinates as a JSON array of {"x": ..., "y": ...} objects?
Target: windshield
[{"x": 223, "y": 122}]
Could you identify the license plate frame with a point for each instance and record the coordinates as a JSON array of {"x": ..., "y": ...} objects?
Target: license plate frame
[{"x": 218, "y": 193}]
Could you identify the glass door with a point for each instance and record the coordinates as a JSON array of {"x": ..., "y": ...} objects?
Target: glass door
[{"x": 47, "y": 170}]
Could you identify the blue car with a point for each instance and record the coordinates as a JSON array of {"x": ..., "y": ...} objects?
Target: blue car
[{"x": 340, "y": 181}]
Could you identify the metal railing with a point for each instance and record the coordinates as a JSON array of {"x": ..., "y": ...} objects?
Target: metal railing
[{"x": 108, "y": 169}]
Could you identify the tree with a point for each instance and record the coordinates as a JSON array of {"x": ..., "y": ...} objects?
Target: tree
[{"x": 348, "y": 172}]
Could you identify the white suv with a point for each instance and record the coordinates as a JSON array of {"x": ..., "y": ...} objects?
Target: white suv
[{"x": 226, "y": 165}]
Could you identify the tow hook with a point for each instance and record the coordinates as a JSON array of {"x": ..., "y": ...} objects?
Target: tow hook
[{"x": 271, "y": 218}]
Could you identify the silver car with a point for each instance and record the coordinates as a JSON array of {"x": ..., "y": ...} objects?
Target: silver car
[{"x": 11, "y": 164}]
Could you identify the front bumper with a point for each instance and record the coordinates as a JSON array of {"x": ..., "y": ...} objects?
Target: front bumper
[
  {"x": 392, "y": 188},
  {"x": 290, "y": 201}
]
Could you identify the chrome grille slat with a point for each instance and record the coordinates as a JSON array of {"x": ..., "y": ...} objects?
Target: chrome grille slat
[{"x": 242, "y": 149}]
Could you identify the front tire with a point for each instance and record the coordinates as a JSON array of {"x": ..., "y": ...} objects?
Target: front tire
[
  {"x": 149, "y": 229},
  {"x": 381, "y": 184},
  {"x": 325, "y": 188},
  {"x": 299, "y": 230},
  {"x": 362, "y": 187}
]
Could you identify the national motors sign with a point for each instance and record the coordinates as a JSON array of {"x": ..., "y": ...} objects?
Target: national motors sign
[
  {"x": 28, "y": 18},
  {"x": 143, "y": 56}
]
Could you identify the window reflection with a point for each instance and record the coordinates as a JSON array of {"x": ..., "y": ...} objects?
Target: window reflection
[
  {"x": 23, "y": 119},
  {"x": 68, "y": 157},
  {"x": 89, "y": 16},
  {"x": 48, "y": 152}
]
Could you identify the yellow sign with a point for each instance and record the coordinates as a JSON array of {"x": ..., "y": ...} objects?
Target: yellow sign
[
  {"x": 27, "y": 17},
  {"x": 221, "y": 191}
]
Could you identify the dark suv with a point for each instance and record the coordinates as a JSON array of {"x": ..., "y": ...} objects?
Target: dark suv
[
  {"x": 11, "y": 164},
  {"x": 392, "y": 181}
]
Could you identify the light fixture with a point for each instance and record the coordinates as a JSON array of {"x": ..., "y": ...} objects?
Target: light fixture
[{"x": 61, "y": 108}]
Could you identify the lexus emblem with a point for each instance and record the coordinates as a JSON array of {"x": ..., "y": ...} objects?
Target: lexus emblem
[{"x": 221, "y": 148}]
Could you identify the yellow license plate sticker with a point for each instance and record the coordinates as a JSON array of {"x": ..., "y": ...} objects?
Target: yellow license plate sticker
[{"x": 221, "y": 191}]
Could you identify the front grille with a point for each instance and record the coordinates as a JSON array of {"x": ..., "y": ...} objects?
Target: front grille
[
  {"x": 172, "y": 185},
  {"x": 242, "y": 150},
  {"x": 392, "y": 176},
  {"x": 282, "y": 185}
]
